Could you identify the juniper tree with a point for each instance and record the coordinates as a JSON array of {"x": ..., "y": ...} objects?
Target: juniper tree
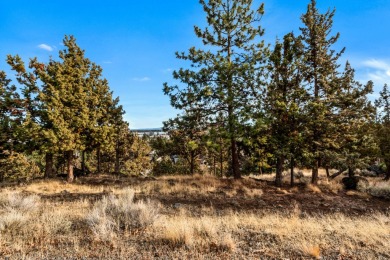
[
  {"x": 383, "y": 126},
  {"x": 223, "y": 75},
  {"x": 320, "y": 74},
  {"x": 284, "y": 101},
  {"x": 11, "y": 111},
  {"x": 35, "y": 121},
  {"x": 76, "y": 101},
  {"x": 99, "y": 135}
]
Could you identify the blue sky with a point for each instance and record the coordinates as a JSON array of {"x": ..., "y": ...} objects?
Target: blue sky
[{"x": 135, "y": 41}]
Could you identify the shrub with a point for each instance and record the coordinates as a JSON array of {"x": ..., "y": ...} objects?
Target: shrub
[
  {"x": 17, "y": 210},
  {"x": 380, "y": 189},
  {"x": 166, "y": 166},
  {"x": 15, "y": 166},
  {"x": 14, "y": 201},
  {"x": 99, "y": 222},
  {"x": 13, "y": 222},
  {"x": 121, "y": 213}
]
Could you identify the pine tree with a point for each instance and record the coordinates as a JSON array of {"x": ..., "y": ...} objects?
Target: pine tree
[
  {"x": 321, "y": 77},
  {"x": 11, "y": 112},
  {"x": 186, "y": 133},
  {"x": 222, "y": 79},
  {"x": 352, "y": 115},
  {"x": 284, "y": 101},
  {"x": 383, "y": 126},
  {"x": 123, "y": 136}
]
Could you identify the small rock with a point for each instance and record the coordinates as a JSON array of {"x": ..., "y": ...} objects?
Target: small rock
[{"x": 177, "y": 205}]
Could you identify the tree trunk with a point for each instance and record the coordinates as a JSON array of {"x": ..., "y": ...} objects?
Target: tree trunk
[
  {"x": 117, "y": 161},
  {"x": 99, "y": 163},
  {"x": 351, "y": 172},
  {"x": 279, "y": 171},
  {"x": 48, "y": 165},
  {"x": 192, "y": 163},
  {"x": 231, "y": 114},
  {"x": 69, "y": 156},
  {"x": 337, "y": 174},
  {"x": 83, "y": 162},
  {"x": 327, "y": 172},
  {"x": 387, "y": 171},
  {"x": 235, "y": 161},
  {"x": 221, "y": 161},
  {"x": 215, "y": 166},
  {"x": 314, "y": 176},
  {"x": 292, "y": 171}
]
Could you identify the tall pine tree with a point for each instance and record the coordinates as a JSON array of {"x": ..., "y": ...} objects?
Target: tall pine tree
[
  {"x": 222, "y": 77},
  {"x": 284, "y": 101},
  {"x": 383, "y": 128},
  {"x": 321, "y": 78}
]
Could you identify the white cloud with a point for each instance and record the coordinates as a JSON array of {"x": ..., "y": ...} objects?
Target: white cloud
[
  {"x": 376, "y": 64},
  {"x": 168, "y": 70},
  {"x": 376, "y": 70},
  {"x": 142, "y": 79},
  {"x": 45, "y": 47}
]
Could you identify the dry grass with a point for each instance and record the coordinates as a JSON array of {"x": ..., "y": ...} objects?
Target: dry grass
[
  {"x": 313, "y": 188},
  {"x": 117, "y": 226},
  {"x": 300, "y": 176},
  {"x": 333, "y": 186},
  {"x": 202, "y": 233},
  {"x": 379, "y": 188},
  {"x": 46, "y": 187},
  {"x": 183, "y": 186},
  {"x": 114, "y": 214},
  {"x": 285, "y": 234}
]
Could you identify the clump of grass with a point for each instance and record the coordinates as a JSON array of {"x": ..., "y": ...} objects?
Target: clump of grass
[
  {"x": 55, "y": 223},
  {"x": 16, "y": 213},
  {"x": 12, "y": 222},
  {"x": 313, "y": 188},
  {"x": 331, "y": 185},
  {"x": 120, "y": 213},
  {"x": 203, "y": 233},
  {"x": 14, "y": 201},
  {"x": 100, "y": 223},
  {"x": 312, "y": 251},
  {"x": 379, "y": 189}
]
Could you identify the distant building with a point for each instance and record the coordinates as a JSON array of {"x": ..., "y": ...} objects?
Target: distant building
[{"x": 152, "y": 132}]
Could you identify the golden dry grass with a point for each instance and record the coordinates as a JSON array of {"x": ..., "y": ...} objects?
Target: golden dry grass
[
  {"x": 307, "y": 236},
  {"x": 32, "y": 227}
]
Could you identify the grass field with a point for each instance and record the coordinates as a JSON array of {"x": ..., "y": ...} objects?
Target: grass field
[{"x": 197, "y": 217}]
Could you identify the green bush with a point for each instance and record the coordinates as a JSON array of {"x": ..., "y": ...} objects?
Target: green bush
[
  {"x": 167, "y": 167},
  {"x": 17, "y": 166}
]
